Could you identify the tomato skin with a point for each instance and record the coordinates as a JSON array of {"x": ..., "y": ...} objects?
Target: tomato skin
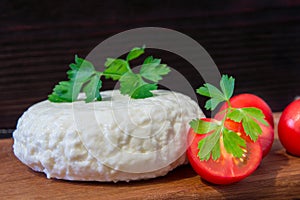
[
  {"x": 289, "y": 128},
  {"x": 266, "y": 139},
  {"x": 251, "y": 100},
  {"x": 224, "y": 170}
]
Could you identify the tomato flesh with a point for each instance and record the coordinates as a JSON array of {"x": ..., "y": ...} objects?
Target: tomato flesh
[
  {"x": 289, "y": 128},
  {"x": 227, "y": 169}
]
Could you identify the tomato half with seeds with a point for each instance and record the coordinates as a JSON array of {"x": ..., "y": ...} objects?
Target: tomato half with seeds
[{"x": 227, "y": 169}]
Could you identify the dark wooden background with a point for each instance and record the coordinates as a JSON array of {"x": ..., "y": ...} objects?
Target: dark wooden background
[{"x": 258, "y": 42}]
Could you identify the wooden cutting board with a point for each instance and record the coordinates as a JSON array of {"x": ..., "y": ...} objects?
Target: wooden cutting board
[{"x": 278, "y": 177}]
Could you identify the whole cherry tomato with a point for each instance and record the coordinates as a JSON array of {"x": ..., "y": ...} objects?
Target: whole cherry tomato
[{"x": 289, "y": 128}]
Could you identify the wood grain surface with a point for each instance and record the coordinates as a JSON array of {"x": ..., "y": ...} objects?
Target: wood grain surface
[
  {"x": 256, "y": 41},
  {"x": 278, "y": 177}
]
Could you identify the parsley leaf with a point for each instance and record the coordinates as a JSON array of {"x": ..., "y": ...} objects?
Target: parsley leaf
[
  {"x": 92, "y": 88},
  {"x": 233, "y": 143},
  {"x": 203, "y": 127},
  {"x": 134, "y": 85},
  {"x": 248, "y": 117},
  {"x": 115, "y": 68},
  {"x": 227, "y": 86},
  {"x": 216, "y": 151},
  {"x": 207, "y": 144},
  {"x": 81, "y": 73},
  {"x": 81, "y": 70},
  {"x": 135, "y": 53},
  {"x": 144, "y": 91},
  {"x": 256, "y": 113},
  {"x": 251, "y": 128},
  {"x": 153, "y": 70},
  {"x": 63, "y": 92},
  {"x": 217, "y": 96},
  {"x": 129, "y": 82}
]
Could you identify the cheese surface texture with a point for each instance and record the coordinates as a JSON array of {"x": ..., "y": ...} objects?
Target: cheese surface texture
[{"x": 116, "y": 139}]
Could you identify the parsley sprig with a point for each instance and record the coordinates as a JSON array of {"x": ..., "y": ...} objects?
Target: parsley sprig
[
  {"x": 135, "y": 84},
  {"x": 215, "y": 130},
  {"x": 84, "y": 78}
]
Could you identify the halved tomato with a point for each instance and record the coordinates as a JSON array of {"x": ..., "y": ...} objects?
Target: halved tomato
[{"x": 227, "y": 169}]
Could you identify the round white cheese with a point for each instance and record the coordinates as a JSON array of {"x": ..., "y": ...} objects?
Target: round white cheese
[{"x": 116, "y": 139}]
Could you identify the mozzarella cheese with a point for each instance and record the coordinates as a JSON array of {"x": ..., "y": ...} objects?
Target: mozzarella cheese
[{"x": 116, "y": 139}]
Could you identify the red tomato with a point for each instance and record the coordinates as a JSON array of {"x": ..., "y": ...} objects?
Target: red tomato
[
  {"x": 266, "y": 139},
  {"x": 227, "y": 169},
  {"x": 289, "y": 128},
  {"x": 250, "y": 100}
]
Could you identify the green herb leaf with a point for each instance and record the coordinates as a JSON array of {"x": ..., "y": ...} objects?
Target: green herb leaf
[
  {"x": 153, "y": 70},
  {"x": 210, "y": 145},
  {"x": 129, "y": 82},
  {"x": 81, "y": 70},
  {"x": 212, "y": 103},
  {"x": 63, "y": 92},
  {"x": 236, "y": 115},
  {"x": 248, "y": 117},
  {"x": 151, "y": 60},
  {"x": 81, "y": 73},
  {"x": 200, "y": 155},
  {"x": 144, "y": 91},
  {"x": 211, "y": 91},
  {"x": 227, "y": 86},
  {"x": 92, "y": 88},
  {"x": 135, "y": 53},
  {"x": 115, "y": 68},
  {"x": 251, "y": 128},
  {"x": 257, "y": 114},
  {"x": 135, "y": 86},
  {"x": 216, "y": 95},
  {"x": 233, "y": 143},
  {"x": 207, "y": 144},
  {"x": 203, "y": 127},
  {"x": 216, "y": 151}
]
